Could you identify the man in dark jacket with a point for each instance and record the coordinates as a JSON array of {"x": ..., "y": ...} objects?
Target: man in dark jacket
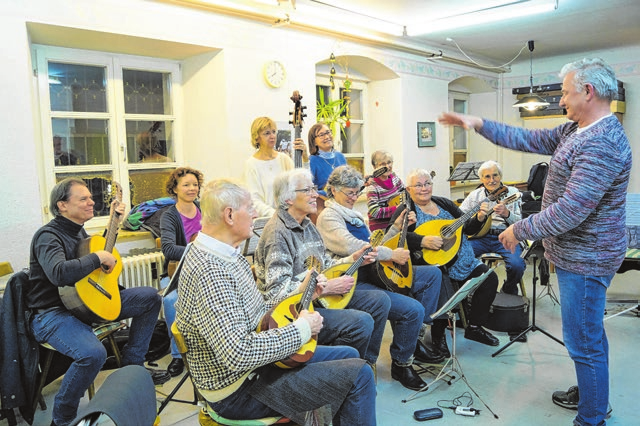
[{"x": 54, "y": 263}]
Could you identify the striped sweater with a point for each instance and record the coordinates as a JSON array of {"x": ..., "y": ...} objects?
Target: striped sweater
[
  {"x": 582, "y": 220},
  {"x": 378, "y": 196}
]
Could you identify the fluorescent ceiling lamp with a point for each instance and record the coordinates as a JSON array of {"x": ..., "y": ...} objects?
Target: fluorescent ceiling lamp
[
  {"x": 484, "y": 16},
  {"x": 343, "y": 21}
]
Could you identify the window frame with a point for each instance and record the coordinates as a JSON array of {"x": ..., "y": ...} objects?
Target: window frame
[{"x": 113, "y": 63}]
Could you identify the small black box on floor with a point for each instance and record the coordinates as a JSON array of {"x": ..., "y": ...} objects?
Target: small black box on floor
[{"x": 509, "y": 312}]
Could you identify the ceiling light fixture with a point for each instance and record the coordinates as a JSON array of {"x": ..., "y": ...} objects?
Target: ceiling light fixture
[
  {"x": 531, "y": 102},
  {"x": 499, "y": 12}
]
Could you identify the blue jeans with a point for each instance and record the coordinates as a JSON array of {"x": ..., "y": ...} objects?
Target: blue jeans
[
  {"x": 514, "y": 264},
  {"x": 346, "y": 327},
  {"x": 168, "y": 305},
  {"x": 583, "y": 300},
  {"x": 358, "y": 408},
  {"x": 376, "y": 303},
  {"x": 75, "y": 339},
  {"x": 408, "y": 313}
]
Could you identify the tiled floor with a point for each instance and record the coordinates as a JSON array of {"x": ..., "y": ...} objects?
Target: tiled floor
[{"x": 516, "y": 385}]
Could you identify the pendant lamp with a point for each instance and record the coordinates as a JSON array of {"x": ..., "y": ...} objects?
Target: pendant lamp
[{"x": 531, "y": 102}]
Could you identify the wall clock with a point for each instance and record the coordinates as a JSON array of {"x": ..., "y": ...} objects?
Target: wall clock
[{"x": 274, "y": 73}]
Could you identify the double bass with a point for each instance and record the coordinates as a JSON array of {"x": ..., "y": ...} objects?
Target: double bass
[{"x": 297, "y": 116}]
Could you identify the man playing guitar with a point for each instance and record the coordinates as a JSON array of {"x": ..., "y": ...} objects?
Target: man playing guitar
[
  {"x": 503, "y": 215},
  {"x": 54, "y": 263}
]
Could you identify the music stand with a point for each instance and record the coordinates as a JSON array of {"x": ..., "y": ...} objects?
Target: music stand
[
  {"x": 452, "y": 365},
  {"x": 535, "y": 251},
  {"x": 465, "y": 171}
]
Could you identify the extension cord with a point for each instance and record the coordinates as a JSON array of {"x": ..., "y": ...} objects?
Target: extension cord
[{"x": 466, "y": 411}]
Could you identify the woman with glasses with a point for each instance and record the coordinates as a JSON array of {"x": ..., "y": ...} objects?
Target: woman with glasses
[
  {"x": 289, "y": 242},
  {"x": 383, "y": 194},
  {"x": 344, "y": 231},
  {"x": 323, "y": 157},
  {"x": 266, "y": 163},
  {"x": 424, "y": 208}
]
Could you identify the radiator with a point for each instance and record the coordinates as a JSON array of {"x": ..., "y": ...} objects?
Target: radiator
[{"x": 142, "y": 270}]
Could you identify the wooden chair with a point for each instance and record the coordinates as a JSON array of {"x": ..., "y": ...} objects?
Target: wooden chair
[{"x": 207, "y": 416}]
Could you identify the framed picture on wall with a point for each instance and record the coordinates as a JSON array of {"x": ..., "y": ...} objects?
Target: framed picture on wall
[
  {"x": 426, "y": 134},
  {"x": 283, "y": 137}
]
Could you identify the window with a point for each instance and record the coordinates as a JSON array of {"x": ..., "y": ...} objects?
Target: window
[
  {"x": 351, "y": 140},
  {"x": 457, "y": 135},
  {"x": 105, "y": 118}
]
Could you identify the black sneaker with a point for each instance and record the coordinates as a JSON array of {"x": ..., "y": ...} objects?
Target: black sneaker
[
  {"x": 570, "y": 399},
  {"x": 159, "y": 377}
]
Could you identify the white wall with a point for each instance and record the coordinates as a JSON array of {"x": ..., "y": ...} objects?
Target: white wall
[{"x": 223, "y": 91}]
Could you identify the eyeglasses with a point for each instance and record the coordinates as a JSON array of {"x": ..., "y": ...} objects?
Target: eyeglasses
[
  {"x": 422, "y": 185},
  {"x": 493, "y": 176},
  {"x": 308, "y": 190},
  {"x": 352, "y": 194},
  {"x": 385, "y": 164},
  {"x": 323, "y": 134}
]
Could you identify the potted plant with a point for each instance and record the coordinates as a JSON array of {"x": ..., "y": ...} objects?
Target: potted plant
[{"x": 334, "y": 114}]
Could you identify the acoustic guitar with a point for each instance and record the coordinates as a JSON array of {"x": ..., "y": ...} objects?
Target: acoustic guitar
[
  {"x": 396, "y": 277},
  {"x": 285, "y": 313},
  {"x": 96, "y": 297},
  {"x": 340, "y": 301},
  {"x": 450, "y": 230},
  {"x": 487, "y": 224},
  {"x": 297, "y": 116}
]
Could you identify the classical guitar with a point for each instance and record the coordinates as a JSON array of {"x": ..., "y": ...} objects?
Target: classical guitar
[
  {"x": 487, "y": 224},
  {"x": 96, "y": 297},
  {"x": 297, "y": 116},
  {"x": 450, "y": 230},
  {"x": 286, "y": 312},
  {"x": 340, "y": 301},
  {"x": 396, "y": 277}
]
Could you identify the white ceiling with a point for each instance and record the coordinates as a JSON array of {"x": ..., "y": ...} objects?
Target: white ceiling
[{"x": 576, "y": 26}]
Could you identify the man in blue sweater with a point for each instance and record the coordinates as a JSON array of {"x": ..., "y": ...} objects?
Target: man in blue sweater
[{"x": 582, "y": 222}]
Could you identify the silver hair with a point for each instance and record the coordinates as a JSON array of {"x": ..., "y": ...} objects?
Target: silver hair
[
  {"x": 596, "y": 72},
  {"x": 417, "y": 173},
  {"x": 489, "y": 165},
  {"x": 380, "y": 155},
  {"x": 343, "y": 177},
  {"x": 219, "y": 194},
  {"x": 284, "y": 185},
  {"x": 62, "y": 192}
]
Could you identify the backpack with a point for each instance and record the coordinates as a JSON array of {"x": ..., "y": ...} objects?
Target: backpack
[
  {"x": 538, "y": 178},
  {"x": 147, "y": 214}
]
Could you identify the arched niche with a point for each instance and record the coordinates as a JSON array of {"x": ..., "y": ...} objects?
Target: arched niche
[{"x": 380, "y": 104}]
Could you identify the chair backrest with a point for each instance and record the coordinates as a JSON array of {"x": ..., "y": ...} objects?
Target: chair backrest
[
  {"x": 179, "y": 339},
  {"x": 251, "y": 243}
]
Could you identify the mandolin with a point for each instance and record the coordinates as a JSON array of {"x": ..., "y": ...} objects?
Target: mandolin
[
  {"x": 340, "y": 301},
  {"x": 450, "y": 230},
  {"x": 297, "y": 116},
  {"x": 285, "y": 313},
  {"x": 96, "y": 297},
  {"x": 487, "y": 224},
  {"x": 396, "y": 277}
]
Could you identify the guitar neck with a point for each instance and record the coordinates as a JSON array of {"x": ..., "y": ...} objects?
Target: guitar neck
[
  {"x": 355, "y": 265},
  {"x": 307, "y": 296},
  {"x": 112, "y": 232}
]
